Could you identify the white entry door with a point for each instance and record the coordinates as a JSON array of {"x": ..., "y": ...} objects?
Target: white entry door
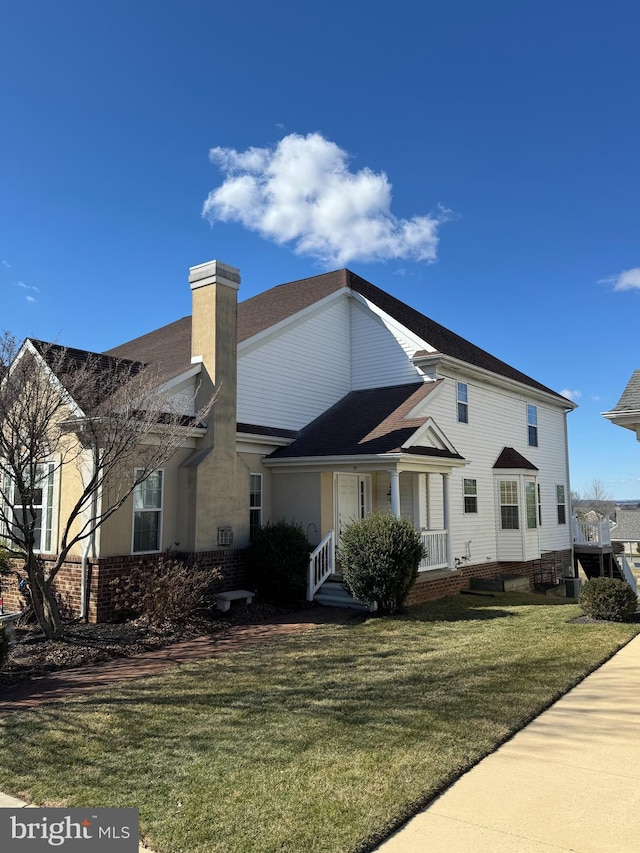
[{"x": 347, "y": 501}]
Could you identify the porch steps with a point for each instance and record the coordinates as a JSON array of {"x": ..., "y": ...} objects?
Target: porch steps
[
  {"x": 334, "y": 593},
  {"x": 590, "y": 563}
]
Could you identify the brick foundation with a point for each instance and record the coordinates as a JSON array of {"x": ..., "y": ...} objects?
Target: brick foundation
[
  {"x": 433, "y": 585},
  {"x": 100, "y": 573}
]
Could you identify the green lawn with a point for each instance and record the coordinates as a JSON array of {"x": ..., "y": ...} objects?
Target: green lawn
[{"x": 315, "y": 742}]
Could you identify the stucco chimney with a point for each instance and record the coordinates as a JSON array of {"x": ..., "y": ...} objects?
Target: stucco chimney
[{"x": 214, "y": 342}]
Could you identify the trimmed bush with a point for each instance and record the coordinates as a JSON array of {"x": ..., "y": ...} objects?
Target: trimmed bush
[
  {"x": 380, "y": 556},
  {"x": 607, "y": 598},
  {"x": 278, "y": 562}
]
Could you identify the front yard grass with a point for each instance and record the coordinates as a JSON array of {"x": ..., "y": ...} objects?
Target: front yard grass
[{"x": 319, "y": 742}]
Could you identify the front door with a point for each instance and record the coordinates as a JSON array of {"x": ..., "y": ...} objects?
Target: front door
[{"x": 347, "y": 501}]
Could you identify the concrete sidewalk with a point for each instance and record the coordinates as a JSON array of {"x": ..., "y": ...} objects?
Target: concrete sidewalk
[{"x": 570, "y": 780}]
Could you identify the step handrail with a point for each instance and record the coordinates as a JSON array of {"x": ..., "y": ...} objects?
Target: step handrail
[
  {"x": 627, "y": 573},
  {"x": 322, "y": 563}
]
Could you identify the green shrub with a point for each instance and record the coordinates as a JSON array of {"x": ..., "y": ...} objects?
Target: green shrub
[
  {"x": 606, "y": 598},
  {"x": 168, "y": 592},
  {"x": 4, "y": 646},
  {"x": 278, "y": 562},
  {"x": 380, "y": 556}
]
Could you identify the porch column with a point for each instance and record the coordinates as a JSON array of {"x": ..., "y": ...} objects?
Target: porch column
[
  {"x": 395, "y": 493},
  {"x": 447, "y": 518}
]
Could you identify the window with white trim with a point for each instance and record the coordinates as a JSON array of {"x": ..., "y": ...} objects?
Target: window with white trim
[
  {"x": 35, "y": 506},
  {"x": 539, "y": 506},
  {"x": 470, "y": 494},
  {"x": 509, "y": 519},
  {"x": 532, "y": 425},
  {"x": 147, "y": 513},
  {"x": 531, "y": 504},
  {"x": 561, "y": 504},
  {"x": 463, "y": 403},
  {"x": 255, "y": 504}
]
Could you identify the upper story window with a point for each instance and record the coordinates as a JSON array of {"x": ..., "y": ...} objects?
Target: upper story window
[
  {"x": 463, "y": 403},
  {"x": 509, "y": 519},
  {"x": 255, "y": 504},
  {"x": 470, "y": 492},
  {"x": 561, "y": 504},
  {"x": 532, "y": 425},
  {"x": 147, "y": 513}
]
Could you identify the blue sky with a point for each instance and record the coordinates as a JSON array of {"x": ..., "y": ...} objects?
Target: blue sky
[{"x": 477, "y": 160}]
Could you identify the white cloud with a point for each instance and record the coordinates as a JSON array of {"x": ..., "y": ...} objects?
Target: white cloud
[
  {"x": 27, "y": 286},
  {"x": 30, "y": 298},
  {"x": 6, "y": 264},
  {"x": 301, "y": 191},
  {"x": 571, "y": 395},
  {"x": 626, "y": 280}
]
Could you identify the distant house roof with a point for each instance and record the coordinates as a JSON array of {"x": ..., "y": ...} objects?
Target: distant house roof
[
  {"x": 510, "y": 458},
  {"x": 627, "y": 526},
  {"x": 630, "y": 400},
  {"x": 372, "y": 421},
  {"x": 170, "y": 346}
]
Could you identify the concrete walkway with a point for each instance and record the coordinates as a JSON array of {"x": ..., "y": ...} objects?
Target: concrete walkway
[{"x": 570, "y": 780}]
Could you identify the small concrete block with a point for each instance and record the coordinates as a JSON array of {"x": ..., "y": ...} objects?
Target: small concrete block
[{"x": 224, "y": 599}]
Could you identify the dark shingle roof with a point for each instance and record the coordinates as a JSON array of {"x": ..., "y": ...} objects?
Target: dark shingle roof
[
  {"x": 627, "y": 526},
  {"x": 372, "y": 421},
  {"x": 169, "y": 347},
  {"x": 630, "y": 399},
  {"x": 510, "y": 458}
]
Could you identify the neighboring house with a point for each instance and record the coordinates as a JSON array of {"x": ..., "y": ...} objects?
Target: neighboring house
[
  {"x": 335, "y": 400},
  {"x": 626, "y": 530}
]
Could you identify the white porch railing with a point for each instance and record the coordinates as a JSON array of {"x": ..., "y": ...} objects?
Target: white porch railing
[
  {"x": 434, "y": 543},
  {"x": 591, "y": 532},
  {"x": 322, "y": 563},
  {"x": 627, "y": 573}
]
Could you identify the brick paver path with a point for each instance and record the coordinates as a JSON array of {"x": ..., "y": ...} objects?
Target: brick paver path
[{"x": 60, "y": 685}]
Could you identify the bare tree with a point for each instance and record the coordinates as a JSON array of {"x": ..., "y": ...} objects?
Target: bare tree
[
  {"x": 598, "y": 499},
  {"x": 104, "y": 423}
]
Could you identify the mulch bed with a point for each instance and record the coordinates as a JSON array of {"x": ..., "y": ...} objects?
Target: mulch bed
[{"x": 34, "y": 655}]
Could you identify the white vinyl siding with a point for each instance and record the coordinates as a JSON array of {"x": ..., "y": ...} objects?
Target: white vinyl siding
[
  {"x": 482, "y": 446},
  {"x": 379, "y": 357},
  {"x": 288, "y": 380}
]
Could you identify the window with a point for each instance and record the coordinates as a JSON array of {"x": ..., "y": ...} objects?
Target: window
[
  {"x": 147, "y": 514},
  {"x": 38, "y": 499},
  {"x": 509, "y": 505},
  {"x": 463, "y": 403},
  {"x": 531, "y": 504},
  {"x": 532, "y": 425},
  {"x": 539, "y": 507},
  {"x": 561, "y": 504},
  {"x": 470, "y": 491},
  {"x": 255, "y": 504}
]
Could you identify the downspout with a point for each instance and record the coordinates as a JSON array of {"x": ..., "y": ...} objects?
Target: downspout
[
  {"x": 568, "y": 501},
  {"x": 90, "y": 545}
]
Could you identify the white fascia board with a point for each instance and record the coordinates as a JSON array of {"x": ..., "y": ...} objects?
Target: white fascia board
[
  {"x": 263, "y": 444},
  {"x": 628, "y": 420},
  {"x": 429, "y": 426},
  {"x": 491, "y": 378},
  {"x": 170, "y": 384},
  {"x": 292, "y": 320},
  {"x": 368, "y": 462},
  {"x": 395, "y": 327},
  {"x": 27, "y": 346}
]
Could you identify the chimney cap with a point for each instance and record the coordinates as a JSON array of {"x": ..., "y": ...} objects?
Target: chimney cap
[{"x": 214, "y": 272}]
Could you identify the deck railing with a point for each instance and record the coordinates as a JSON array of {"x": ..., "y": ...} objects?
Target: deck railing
[
  {"x": 434, "y": 543},
  {"x": 591, "y": 532},
  {"x": 322, "y": 563}
]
